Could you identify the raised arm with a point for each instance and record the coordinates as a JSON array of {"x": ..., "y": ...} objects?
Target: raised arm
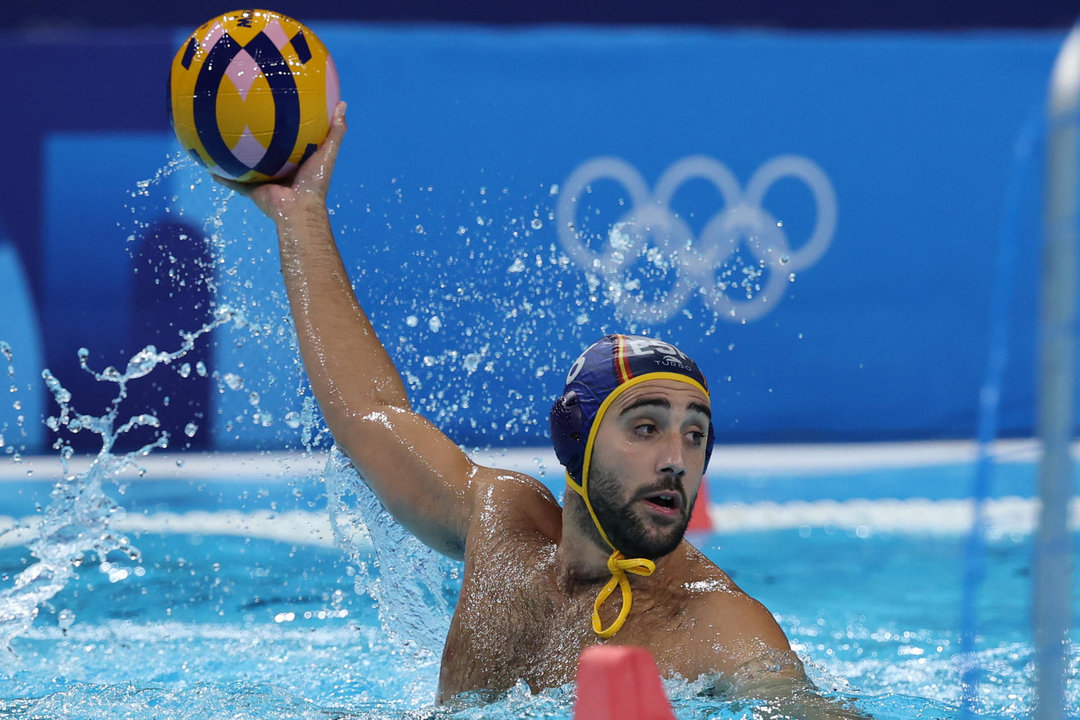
[{"x": 424, "y": 480}]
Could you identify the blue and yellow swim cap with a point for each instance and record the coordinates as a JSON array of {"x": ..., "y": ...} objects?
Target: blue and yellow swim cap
[{"x": 604, "y": 371}]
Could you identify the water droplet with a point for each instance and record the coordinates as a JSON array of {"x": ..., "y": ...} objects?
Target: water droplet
[
  {"x": 434, "y": 323},
  {"x": 518, "y": 266},
  {"x": 234, "y": 381},
  {"x": 537, "y": 223},
  {"x": 791, "y": 277},
  {"x": 65, "y": 618},
  {"x": 142, "y": 362},
  {"x": 412, "y": 321},
  {"x": 292, "y": 419},
  {"x": 116, "y": 574},
  {"x": 190, "y": 429},
  {"x": 472, "y": 361}
]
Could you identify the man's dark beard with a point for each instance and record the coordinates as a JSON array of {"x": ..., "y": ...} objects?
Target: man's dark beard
[{"x": 624, "y": 527}]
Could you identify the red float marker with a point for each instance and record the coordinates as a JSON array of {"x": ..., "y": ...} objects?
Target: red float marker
[
  {"x": 699, "y": 518},
  {"x": 620, "y": 682}
]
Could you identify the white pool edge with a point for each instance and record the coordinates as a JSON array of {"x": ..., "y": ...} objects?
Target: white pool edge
[{"x": 1003, "y": 517}]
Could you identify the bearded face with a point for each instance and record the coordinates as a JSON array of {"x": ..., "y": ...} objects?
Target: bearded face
[{"x": 625, "y": 514}]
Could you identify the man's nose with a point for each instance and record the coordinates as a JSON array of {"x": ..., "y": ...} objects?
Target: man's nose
[{"x": 672, "y": 462}]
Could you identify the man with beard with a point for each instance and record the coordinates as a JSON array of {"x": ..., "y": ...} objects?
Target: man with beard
[{"x": 633, "y": 428}]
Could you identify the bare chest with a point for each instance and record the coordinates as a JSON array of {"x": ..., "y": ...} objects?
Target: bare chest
[{"x": 513, "y": 624}]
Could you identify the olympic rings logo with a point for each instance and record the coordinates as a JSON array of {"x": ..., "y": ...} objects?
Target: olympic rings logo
[{"x": 650, "y": 232}]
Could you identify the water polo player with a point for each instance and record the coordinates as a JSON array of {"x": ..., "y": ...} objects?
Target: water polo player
[{"x": 633, "y": 429}]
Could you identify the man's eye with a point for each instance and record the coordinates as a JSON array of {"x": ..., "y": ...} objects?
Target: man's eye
[
  {"x": 645, "y": 429},
  {"x": 696, "y": 436}
]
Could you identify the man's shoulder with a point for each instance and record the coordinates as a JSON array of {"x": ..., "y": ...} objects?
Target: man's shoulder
[
  {"x": 518, "y": 502},
  {"x": 739, "y": 622},
  {"x": 712, "y": 592},
  {"x": 717, "y": 626},
  {"x": 706, "y": 585},
  {"x": 726, "y": 626},
  {"x": 516, "y": 490}
]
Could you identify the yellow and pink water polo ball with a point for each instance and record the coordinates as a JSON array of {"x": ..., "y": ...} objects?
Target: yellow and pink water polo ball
[{"x": 251, "y": 94}]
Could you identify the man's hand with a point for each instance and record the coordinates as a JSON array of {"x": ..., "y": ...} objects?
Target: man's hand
[{"x": 305, "y": 189}]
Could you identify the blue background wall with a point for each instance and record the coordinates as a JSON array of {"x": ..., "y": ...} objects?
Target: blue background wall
[{"x": 462, "y": 143}]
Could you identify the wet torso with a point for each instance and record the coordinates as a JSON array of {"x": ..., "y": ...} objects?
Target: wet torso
[{"x": 516, "y": 621}]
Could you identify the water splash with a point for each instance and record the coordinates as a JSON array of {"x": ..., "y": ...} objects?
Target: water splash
[
  {"x": 77, "y": 523},
  {"x": 7, "y": 442},
  {"x": 410, "y": 591}
]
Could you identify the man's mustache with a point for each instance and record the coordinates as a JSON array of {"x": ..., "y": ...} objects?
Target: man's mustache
[{"x": 668, "y": 483}]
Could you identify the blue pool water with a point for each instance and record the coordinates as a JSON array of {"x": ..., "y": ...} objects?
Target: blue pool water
[{"x": 244, "y": 605}]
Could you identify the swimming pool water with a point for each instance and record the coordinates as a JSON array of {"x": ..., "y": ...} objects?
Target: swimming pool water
[{"x": 215, "y": 625}]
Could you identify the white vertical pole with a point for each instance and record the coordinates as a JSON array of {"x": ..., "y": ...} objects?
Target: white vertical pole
[{"x": 1051, "y": 588}]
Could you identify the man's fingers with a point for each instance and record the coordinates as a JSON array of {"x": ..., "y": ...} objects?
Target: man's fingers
[
  {"x": 332, "y": 143},
  {"x": 314, "y": 175},
  {"x": 337, "y": 122},
  {"x": 242, "y": 188}
]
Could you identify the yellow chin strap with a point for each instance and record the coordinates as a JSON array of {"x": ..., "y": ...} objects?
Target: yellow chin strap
[{"x": 618, "y": 564}]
